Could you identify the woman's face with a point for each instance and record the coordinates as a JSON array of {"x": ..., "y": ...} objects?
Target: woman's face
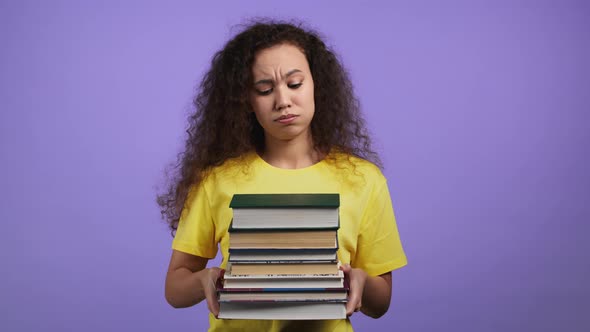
[{"x": 282, "y": 94}]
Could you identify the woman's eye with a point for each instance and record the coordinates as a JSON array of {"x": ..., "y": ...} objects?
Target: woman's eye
[
  {"x": 264, "y": 92},
  {"x": 295, "y": 85}
]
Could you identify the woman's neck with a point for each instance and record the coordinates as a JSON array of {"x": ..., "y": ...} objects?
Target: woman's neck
[{"x": 291, "y": 154}]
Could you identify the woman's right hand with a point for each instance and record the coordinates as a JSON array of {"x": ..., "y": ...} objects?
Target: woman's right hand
[
  {"x": 208, "y": 279},
  {"x": 189, "y": 281}
]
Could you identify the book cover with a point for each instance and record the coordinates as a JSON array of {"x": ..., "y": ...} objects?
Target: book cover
[{"x": 285, "y": 201}]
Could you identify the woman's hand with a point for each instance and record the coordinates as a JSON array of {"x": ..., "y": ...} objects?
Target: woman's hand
[
  {"x": 208, "y": 279},
  {"x": 357, "y": 279},
  {"x": 189, "y": 282}
]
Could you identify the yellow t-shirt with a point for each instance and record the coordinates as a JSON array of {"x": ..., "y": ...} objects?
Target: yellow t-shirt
[{"x": 368, "y": 237}]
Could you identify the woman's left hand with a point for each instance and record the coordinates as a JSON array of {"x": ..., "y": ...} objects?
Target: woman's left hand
[{"x": 357, "y": 278}]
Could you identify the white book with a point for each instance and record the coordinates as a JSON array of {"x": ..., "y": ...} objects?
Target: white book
[
  {"x": 289, "y": 296},
  {"x": 285, "y": 218},
  {"x": 282, "y": 310},
  {"x": 340, "y": 274},
  {"x": 292, "y": 283},
  {"x": 285, "y": 211}
]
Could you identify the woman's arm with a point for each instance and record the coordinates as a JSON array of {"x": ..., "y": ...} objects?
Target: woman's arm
[
  {"x": 377, "y": 295},
  {"x": 371, "y": 295},
  {"x": 188, "y": 282}
]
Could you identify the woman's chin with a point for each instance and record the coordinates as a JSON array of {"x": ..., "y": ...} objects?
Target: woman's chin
[{"x": 287, "y": 134}]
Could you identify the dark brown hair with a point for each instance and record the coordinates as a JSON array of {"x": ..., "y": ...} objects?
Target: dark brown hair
[{"x": 222, "y": 126}]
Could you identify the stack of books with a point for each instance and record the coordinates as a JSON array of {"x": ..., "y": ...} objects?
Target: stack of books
[{"x": 282, "y": 259}]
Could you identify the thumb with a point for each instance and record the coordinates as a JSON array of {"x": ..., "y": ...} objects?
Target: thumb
[
  {"x": 345, "y": 268},
  {"x": 214, "y": 273}
]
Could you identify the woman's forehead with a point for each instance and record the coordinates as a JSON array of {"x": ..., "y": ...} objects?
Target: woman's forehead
[{"x": 282, "y": 58}]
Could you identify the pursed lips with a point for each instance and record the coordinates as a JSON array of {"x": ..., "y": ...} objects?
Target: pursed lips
[{"x": 286, "y": 117}]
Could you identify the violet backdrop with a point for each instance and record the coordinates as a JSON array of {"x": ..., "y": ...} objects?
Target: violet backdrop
[{"x": 480, "y": 110}]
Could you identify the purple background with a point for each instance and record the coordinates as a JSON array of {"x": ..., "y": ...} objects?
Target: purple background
[{"x": 480, "y": 111}]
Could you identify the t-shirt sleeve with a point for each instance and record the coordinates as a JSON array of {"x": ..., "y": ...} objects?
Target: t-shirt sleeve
[
  {"x": 379, "y": 248},
  {"x": 196, "y": 229}
]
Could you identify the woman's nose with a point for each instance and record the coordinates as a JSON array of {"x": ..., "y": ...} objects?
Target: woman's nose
[{"x": 282, "y": 98}]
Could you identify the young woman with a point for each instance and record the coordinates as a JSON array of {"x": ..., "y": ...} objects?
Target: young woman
[{"x": 276, "y": 113}]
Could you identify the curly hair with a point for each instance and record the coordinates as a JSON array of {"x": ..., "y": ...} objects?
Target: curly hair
[{"x": 222, "y": 126}]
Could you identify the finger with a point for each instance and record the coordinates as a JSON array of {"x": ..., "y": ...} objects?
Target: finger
[
  {"x": 211, "y": 291},
  {"x": 351, "y": 308},
  {"x": 352, "y": 304},
  {"x": 355, "y": 293}
]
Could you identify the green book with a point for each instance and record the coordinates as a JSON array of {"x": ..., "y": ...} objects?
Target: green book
[
  {"x": 285, "y": 201},
  {"x": 285, "y": 211}
]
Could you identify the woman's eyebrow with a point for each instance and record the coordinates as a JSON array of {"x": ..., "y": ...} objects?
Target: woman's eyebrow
[
  {"x": 269, "y": 81},
  {"x": 293, "y": 72},
  {"x": 264, "y": 81}
]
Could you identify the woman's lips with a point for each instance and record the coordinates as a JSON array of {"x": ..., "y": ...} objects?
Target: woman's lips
[{"x": 286, "y": 118}]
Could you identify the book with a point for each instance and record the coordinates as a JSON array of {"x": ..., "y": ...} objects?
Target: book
[
  {"x": 285, "y": 251},
  {"x": 336, "y": 284},
  {"x": 254, "y": 296},
  {"x": 283, "y": 261},
  {"x": 285, "y": 211},
  {"x": 285, "y": 200},
  {"x": 296, "y": 276},
  {"x": 282, "y": 310},
  {"x": 283, "y": 256},
  {"x": 282, "y": 269},
  {"x": 283, "y": 239},
  {"x": 291, "y": 283}
]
